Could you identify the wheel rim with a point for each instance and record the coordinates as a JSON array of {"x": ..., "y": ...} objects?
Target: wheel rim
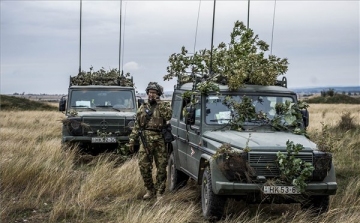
[
  {"x": 172, "y": 172},
  {"x": 205, "y": 194}
]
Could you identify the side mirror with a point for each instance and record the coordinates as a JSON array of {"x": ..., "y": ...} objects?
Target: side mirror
[
  {"x": 140, "y": 102},
  {"x": 305, "y": 116},
  {"x": 190, "y": 115},
  {"x": 62, "y": 104}
]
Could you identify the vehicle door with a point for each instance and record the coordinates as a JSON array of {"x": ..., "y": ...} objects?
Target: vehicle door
[
  {"x": 194, "y": 146},
  {"x": 179, "y": 128}
]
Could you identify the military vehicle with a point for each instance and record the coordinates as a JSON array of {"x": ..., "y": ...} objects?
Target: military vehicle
[
  {"x": 251, "y": 172},
  {"x": 100, "y": 112}
]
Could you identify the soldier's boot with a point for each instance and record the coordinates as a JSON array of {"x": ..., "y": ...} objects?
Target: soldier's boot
[
  {"x": 149, "y": 194},
  {"x": 159, "y": 196}
]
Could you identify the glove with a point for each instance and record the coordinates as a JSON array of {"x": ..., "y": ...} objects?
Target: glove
[{"x": 131, "y": 146}]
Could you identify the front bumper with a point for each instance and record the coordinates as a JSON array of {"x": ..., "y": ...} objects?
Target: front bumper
[
  {"x": 87, "y": 139},
  {"x": 231, "y": 188}
]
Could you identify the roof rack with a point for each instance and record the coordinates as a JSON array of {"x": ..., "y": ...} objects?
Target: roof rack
[
  {"x": 219, "y": 79},
  {"x": 282, "y": 82}
]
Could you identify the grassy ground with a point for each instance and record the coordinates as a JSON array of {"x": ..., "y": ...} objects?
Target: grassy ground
[{"x": 42, "y": 183}]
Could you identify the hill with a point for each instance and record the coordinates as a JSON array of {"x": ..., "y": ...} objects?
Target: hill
[
  {"x": 336, "y": 99},
  {"x": 349, "y": 89},
  {"x": 12, "y": 103}
]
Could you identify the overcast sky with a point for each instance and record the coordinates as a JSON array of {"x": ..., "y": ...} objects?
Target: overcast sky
[{"x": 40, "y": 39}]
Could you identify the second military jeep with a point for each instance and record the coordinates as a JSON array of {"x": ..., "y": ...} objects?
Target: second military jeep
[
  {"x": 202, "y": 130},
  {"x": 100, "y": 112}
]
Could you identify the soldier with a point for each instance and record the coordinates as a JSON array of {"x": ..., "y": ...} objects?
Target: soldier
[{"x": 151, "y": 118}]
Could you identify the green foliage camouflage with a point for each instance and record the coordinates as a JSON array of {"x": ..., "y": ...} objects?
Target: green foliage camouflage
[
  {"x": 288, "y": 116},
  {"x": 242, "y": 61},
  {"x": 293, "y": 170},
  {"x": 111, "y": 77}
]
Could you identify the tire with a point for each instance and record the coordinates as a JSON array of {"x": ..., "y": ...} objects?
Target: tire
[
  {"x": 212, "y": 204},
  {"x": 176, "y": 178},
  {"x": 317, "y": 204}
]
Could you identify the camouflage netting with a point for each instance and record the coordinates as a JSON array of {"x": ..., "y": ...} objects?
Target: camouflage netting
[
  {"x": 240, "y": 62},
  {"x": 102, "y": 77}
]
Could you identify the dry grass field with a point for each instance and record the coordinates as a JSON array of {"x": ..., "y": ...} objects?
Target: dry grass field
[{"x": 42, "y": 183}]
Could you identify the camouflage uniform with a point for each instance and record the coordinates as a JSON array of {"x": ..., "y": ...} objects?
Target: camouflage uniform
[
  {"x": 161, "y": 113},
  {"x": 123, "y": 150}
]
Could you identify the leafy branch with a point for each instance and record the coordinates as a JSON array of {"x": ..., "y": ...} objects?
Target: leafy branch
[
  {"x": 288, "y": 116},
  {"x": 293, "y": 170},
  {"x": 242, "y": 61}
]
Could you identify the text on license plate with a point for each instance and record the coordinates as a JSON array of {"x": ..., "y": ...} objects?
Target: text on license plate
[
  {"x": 280, "y": 190},
  {"x": 103, "y": 140}
]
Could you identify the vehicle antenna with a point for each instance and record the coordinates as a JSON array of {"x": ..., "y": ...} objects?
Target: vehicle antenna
[
  {"x": 197, "y": 24},
  {"x": 80, "y": 37},
  {"x": 272, "y": 32},
  {"x": 123, "y": 47},
  {"x": 212, "y": 39},
  {"x": 248, "y": 15},
  {"x": 120, "y": 37}
]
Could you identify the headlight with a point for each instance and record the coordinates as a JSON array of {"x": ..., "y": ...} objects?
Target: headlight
[
  {"x": 131, "y": 124},
  {"x": 74, "y": 126},
  {"x": 322, "y": 164}
]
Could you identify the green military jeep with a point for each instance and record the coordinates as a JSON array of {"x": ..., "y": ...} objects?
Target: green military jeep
[
  {"x": 100, "y": 112},
  {"x": 251, "y": 171}
]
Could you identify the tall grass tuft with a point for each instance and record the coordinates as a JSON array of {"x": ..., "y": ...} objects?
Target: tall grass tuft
[{"x": 347, "y": 122}]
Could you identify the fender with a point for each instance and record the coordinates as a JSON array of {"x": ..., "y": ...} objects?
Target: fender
[{"x": 205, "y": 161}]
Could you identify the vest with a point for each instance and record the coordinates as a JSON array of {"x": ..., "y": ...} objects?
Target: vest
[{"x": 155, "y": 123}]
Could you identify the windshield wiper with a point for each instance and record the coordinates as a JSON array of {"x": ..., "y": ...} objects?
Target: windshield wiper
[
  {"x": 83, "y": 106},
  {"x": 220, "y": 119},
  {"x": 258, "y": 122},
  {"x": 224, "y": 124},
  {"x": 252, "y": 125},
  {"x": 108, "y": 106}
]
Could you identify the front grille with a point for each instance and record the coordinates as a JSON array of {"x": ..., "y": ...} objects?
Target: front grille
[
  {"x": 264, "y": 162},
  {"x": 106, "y": 125}
]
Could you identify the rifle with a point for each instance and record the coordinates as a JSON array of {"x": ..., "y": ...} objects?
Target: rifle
[
  {"x": 141, "y": 134},
  {"x": 143, "y": 141}
]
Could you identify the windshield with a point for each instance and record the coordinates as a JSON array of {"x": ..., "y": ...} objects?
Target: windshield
[
  {"x": 218, "y": 113},
  {"x": 95, "y": 98}
]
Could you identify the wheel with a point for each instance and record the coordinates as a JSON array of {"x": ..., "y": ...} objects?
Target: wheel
[
  {"x": 317, "y": 204},
  {"x": 176, "y": 178},
  {"x": 212, "y": 204}
]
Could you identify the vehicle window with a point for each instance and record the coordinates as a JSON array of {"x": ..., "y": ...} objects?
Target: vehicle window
[
  {"x": 111, "y": 98},
  {"x": 185, "y": 102},
  {"x": 218, "y": 113},
  {"x": 197, "y": 111},
  {"x": 122, "y": 99},
  {"x": 176, "y": 106}
]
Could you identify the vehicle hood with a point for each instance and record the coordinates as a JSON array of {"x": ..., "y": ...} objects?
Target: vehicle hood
[
  {"x": 257, "y": 140},
  {"x": 106, "y": 113}
]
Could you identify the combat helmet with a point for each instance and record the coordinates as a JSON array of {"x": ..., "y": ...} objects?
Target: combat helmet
[{"x": 154, "y": 86}]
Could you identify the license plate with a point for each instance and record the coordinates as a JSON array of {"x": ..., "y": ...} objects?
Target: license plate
[
  {"x": 103, "y": 140},
  {"x": 280, "y": 190}
]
